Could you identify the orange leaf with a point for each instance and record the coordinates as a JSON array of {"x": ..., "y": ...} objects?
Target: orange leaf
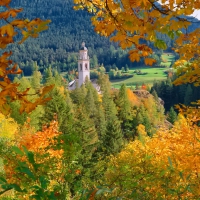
[{"x": 149, "y": 61}]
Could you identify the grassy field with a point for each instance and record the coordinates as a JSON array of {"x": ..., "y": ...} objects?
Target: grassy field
[
  {"x": 152, "y": 74},
  {"x": 169, "y": 57}
]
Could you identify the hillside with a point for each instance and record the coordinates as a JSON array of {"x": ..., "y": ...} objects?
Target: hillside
[
  {"x": 66, "y": 32},
  {"x": 59, "y": 45}
]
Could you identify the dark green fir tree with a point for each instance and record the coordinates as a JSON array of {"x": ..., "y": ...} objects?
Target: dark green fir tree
[
  {"x": 172, "y": 115},
  {"x": 188, "y": 95},
  {"x": 59, "y": 107}
]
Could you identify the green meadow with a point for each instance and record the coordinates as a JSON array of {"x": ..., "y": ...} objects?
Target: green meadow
[{"x": 153, "y": 73}]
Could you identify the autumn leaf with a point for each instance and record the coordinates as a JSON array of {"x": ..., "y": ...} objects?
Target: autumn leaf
[
  {"x": 27, "y": 28},
  {"x": 149, "y": 61},
  {"x": 134, "y": 56}
]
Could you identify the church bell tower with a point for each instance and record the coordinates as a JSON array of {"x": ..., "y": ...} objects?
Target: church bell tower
[{"x": 83, "y": 65}]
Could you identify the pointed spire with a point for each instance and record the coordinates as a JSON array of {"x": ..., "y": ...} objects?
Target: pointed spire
[{"x": 83, "y": 44}]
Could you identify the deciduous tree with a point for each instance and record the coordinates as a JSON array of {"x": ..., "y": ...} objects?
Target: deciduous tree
[{"x": 12, "y": 26}]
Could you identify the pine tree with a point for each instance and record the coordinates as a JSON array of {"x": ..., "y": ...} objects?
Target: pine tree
[
  {"x": 139, "y": 118},
  {"x": 181, "y": 93},
  {"x": 48, "y": 76},
  {"x": 123, "y": 104},
  {"x": 36, "y": 78},
  {"x": 109, "y": 106},
  {"x": 113, "y": 139},
  {"x": 90, "y": 104},
  {"x": 78, "y": 95},
  {"x": 58, "y": 107},
  {"x": 88, "y": 141},
  {"x": 147, "y": 124},
  {"x": 172, "y": 115},
  {"x": 58, "y": 78},
  {"x": 124, "y": 113},
  {"x": 143, "y": 118},
  {"x": 167, "y": 94},
  {"x": 154, "y": 93},
  {"x": 100, "y": 123},
  {"x": 188, "y": 95}
]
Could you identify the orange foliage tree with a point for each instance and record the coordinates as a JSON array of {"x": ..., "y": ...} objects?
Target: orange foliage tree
[
  {"x": 42, "y": 147},
  {"x": 11, "y": 27},
  {"x": 42, "y": 144}
]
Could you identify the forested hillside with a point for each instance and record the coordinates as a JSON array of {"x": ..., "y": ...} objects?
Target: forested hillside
[
  {"x": 59, "y": 45},
  {"x": 66, "y": 32}
]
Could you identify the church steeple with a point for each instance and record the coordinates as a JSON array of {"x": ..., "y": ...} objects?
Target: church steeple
[{"x": 83, "y": 65}]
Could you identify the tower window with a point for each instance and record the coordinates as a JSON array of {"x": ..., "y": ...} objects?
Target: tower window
[
  {"x": 86, "y": 66},
  {"x": 81, "y": 68}
]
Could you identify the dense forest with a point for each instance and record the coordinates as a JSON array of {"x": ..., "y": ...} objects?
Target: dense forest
[{"x": 173, "y": 95}]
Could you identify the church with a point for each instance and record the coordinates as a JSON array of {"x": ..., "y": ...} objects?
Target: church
[{"x": 83, "y": 70}]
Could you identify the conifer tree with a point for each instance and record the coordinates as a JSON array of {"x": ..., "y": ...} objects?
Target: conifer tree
[
  {"x": 90, "y": 104},
  {"x": 60, "y": 107},
  {"x": 78, "y": 95},
  {"x": 154, "y": 93},
  {"x": 172, "y": 116},
  {"x": 143, "y": 118},
  {"x": 188, "y": 95},
  {"x": 58, "y": 78},
  {"x": 109, "y": 106},
  {"x": 147, "y": 124},
  {"x": 88, "y": 141},
  {"x": 113, "y": 138},
  {"x": 167, "y": 94},
  {"x": 123, "y": 104},
  {"x": 100, "y": 123},
  {"x": 36, "y": 78},
  {"x": 48, "y": 76},
  {"x": 104, "y": 82},
  {"x": 181, "y": 93},
  {"x": 139, "y": 118},
  {"x": 124, "y": 111},
  {"x": 91, "y": 98}
]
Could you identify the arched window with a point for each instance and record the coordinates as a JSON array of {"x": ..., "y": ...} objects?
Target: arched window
[
  {"x": 81, "y": 68},
  {"x": 86, "y": 66}
]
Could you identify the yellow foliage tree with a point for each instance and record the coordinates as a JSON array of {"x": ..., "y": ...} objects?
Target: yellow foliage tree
[
  {"x": 8, "y": 127},
  {"x": 163, "y": 167},
  {"x": 130, "y": 22},
  {"x": 133, "y": 98}
]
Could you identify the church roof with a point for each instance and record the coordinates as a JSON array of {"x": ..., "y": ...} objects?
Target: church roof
[
  {"x": 73, "y": 84},
  {"x": 83, "y": 46}
]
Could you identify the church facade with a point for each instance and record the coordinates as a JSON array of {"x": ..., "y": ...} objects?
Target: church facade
[
  {"x": 83, "y": 70},
  {"x": 83, "y": 65}
]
